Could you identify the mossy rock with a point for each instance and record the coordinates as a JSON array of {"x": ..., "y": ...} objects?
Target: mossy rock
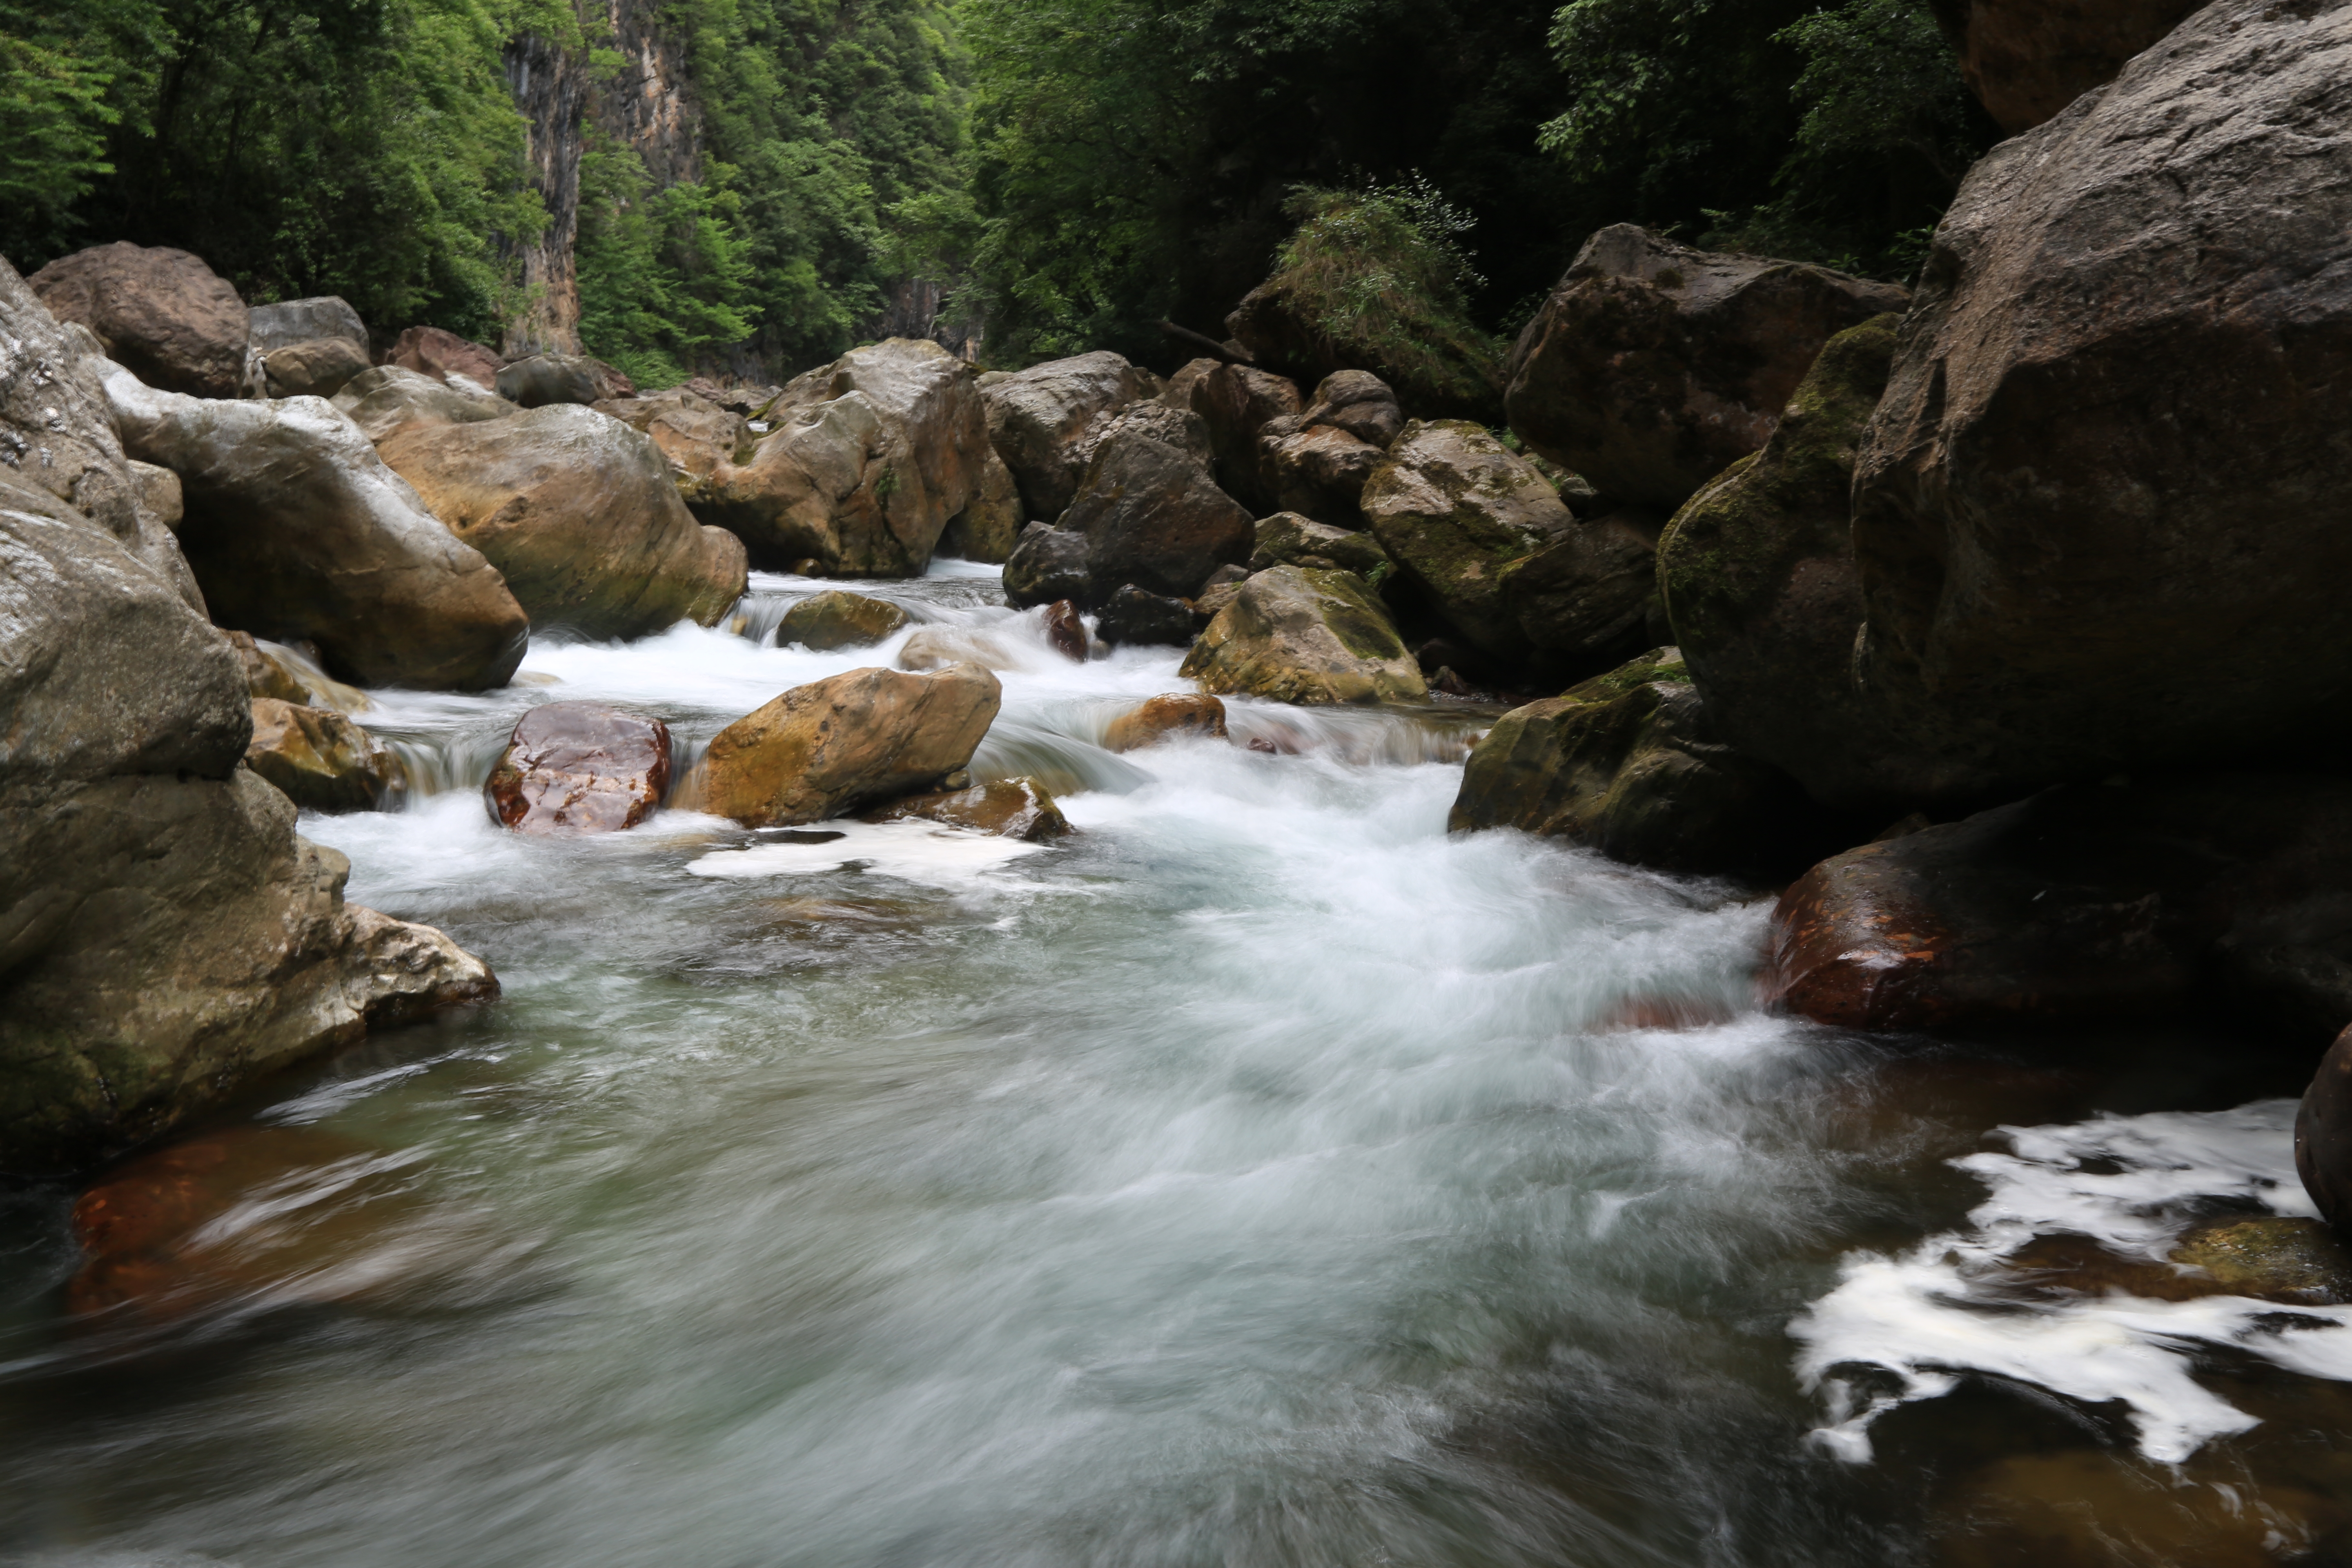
[
  {"x": 1295, "y": 635},
  {"x": 834, "y": 619}
]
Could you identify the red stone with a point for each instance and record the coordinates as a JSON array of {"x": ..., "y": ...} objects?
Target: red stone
[
  {"x": 1066, "y": 631},
  {"x": 580, "y": 767},
  {"x": 439, "y": 353}
]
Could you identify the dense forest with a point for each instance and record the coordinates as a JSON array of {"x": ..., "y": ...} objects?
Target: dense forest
[{"x": 1033, "y": 177}]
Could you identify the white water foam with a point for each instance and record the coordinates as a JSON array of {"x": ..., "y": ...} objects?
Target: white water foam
[
  {"x": 911, "y": 851},
  {"x": 1932, "y": 1314}
]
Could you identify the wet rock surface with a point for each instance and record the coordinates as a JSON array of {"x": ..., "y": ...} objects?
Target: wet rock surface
[
  {"x": 1047, "y": 565},
  {"x": 834, "y": 619},
  {"x": 848, "y": 741},
  {"x": 1167, "y": 717},
  {"x": 2322, "y": 1135},
  {"x": 1011, "y": 808},
  {"x": 578, "y": 768},
  {"x": 320, "y": 760},
  {"x": 990, "y": 525},
  {"x": 1131, "y": 616},
  {"x": 1304, "y": 637},
  {"x": 1153, "y": 517},
  {"x": 388, "y": 399},
  {"x": 1652, "y": 366}
]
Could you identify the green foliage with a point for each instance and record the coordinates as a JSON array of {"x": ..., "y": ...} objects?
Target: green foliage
[
  {"x": 1379, "y": 273},
  {"x": 57, "y": 67},
  {"x": 663, "y": 276}
]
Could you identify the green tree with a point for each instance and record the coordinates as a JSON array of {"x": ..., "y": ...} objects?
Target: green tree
[{"x": 662, "y": 277}]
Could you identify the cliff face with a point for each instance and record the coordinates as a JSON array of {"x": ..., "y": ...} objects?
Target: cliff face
[{"x": 648, "y": 105}]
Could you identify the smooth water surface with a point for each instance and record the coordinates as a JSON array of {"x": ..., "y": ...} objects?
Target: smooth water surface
[{"x": 1258, "y": 1176}]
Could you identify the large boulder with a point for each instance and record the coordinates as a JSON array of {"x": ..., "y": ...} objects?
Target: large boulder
[
  {"x": 2322, "y": 1135},
  {"x": 1046, "y": 568},
  {"x": 1237, "y": 401},
  {"x": 1589, "y": 593},
  {"x": 852, "y": 740},
  {"x": 1288, "y": 538},
  {"x": 1452, "y": 507},
  {"x": 2104, "y": 504},
  {"x": 694, "y": 435},
  {"x": 1627, "y": 764},
  {"x": 1036, "y": 419},
  {"x": 1315, "y": 638},
  {"x": 163, "y": 313},
  {"x": 869, "y": 458},
  {"x": 1320, "y": 470},
  {"x": 542, "y": 378},
  {"x": 1131, "y": 617},
  {"x": 2027, "y": 60},
  {"x": 165, "y": 936},
  {"x": 300, "y": 533},
  {"x": 572, "y": 768},
  {"x": 386, "y": 400},
  {"x": 445, "y": 357},
  {"x": 988, "y": 526},
  {"x": 1758, "y": 575},
  {"x": 321, "y": 367},
  {"x": 291, "y": 321},
  {"x": 2090, "y": 901},
  {"x": 1154, "y": 517},
  {"x": 318, "y": 758},
  {"x": 578, "y": 511},
  {"x": 1653, "y": 367}
]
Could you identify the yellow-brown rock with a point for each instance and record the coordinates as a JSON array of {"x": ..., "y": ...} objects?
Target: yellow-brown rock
[
  {"x": 323, "y": 761},
  {"x": 1013, "y": 809},
  {"x": 1161, "y": 718}
]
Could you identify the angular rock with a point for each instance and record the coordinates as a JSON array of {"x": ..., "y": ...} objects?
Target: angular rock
[
  {"x": 1320, "y": 470},
  {"x": 267, "y": 676},
  {"x": 1288, "y": 539},
  {"x": 319, "y": 368},
  {"x": 2092, "y": 404},
  {"x": 163, "y": 313},
  {"x": 1179, "y": 713},
  {"x": 2322, "y": 1135},
  {"x": 1153, "y": 517},
  {"x": 447, "y": 358},
  {"x": 869, "y": 458},
  {"x": 1453, "y": 508},
  {"x": 2027, "y": 60},
  {"x": 2088, "y": 901},
  {"x": 1011, "y": 808},
  {"x": 1653, "y": 367},
  {"x": 1130, "y": 615},
  {"x": 543, "y": 379},
  {"x": 297, "y": 531},
  {"x": 1759, "y": 581},
  {"x": 990, "y": 525},
  {"x": 1625, "y": 764},
  {"x": 1308, "y": 637},
  {"x": 578, "y": 767},
  {"x": 320, "y": 760},
  {"x": 155, "y": 492},
  {"x": 386, "y": 400},
  {"x": 1047, "y": 565},
  {"x": 1588, "y": 595},
  {"x": 1237, "y": 401},
  {"x": 1037, "y": 417},
  {"x": 1066, "y": 631},
  {"x": 851, "y": 740},
  {"x": 836, "y": 620},
  {"x": 579, "y": 513},
  {"x": 290, "y": 321},
  {"x": 695, "y": 435},
  {"x": 1360, "y": 402},
  {"x": 1178, "y": 427}
]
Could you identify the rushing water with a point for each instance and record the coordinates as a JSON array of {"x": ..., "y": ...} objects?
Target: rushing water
[{"x": 1259, "y": 1176}]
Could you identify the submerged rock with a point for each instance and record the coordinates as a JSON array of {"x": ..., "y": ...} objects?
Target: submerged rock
[
  {"x": 869, "y": 458},
  {"x": 1306, "y": 636},
  {"x": 834, "y": 744},
  {"x": 1066, "y": 631},
  {"x": 1011, "y": 808},
  {"x": 1653, "y": 367},
  {"x": 580, "y": 767},
  {"x": 578, "y": 511},
  {"x": 320, "y": 758},
  {"x": 1627, "y": 764},
  {"x": 1166, "y": 718},
  {"x": 161, "y": 313},
  {"x": 827, "y": 621}
]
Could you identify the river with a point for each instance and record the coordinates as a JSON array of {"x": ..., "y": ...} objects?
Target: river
[{"x": 1258, "y": 1176}]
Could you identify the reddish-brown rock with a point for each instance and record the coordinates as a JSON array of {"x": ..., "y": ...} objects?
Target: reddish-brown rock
[
  {"x": 1161, "y": 717},
  {"x": 2027, "y": 60},
  {"x": 1237, "y": 401},
  {"x": 1011, "y": 808},
  {"x": 1653, "y": 367},
  {"x": 441, "y": 355},
  {"x": 162, "y": 315},
  {"x": 1066, "y": 631},
  {"x": 2322, "y": 1135},
  {"x": 580, "y": 767}
]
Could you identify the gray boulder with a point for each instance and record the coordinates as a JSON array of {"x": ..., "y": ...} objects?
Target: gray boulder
[
  {"x": 291, "y": 321},
  {"x": 320, "y": 367},
  {"x": 1037, "y": 417},
  {"x": 1154, "y": 517},
  {"x": 386, "y": 400},
  {"x": 1048, "y": 565}
]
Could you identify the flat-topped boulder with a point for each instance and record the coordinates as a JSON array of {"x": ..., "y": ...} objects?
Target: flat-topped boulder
[{"x": 580, "y": 767}]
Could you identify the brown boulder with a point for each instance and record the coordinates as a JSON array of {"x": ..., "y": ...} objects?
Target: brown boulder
[
  {"x": 834, "y": 744},
  {"x": 580, "y": 767},
  {"x": 1153, "y": 518},
  {"x": 2105, "y": 503},
  {"x": 1288, "y": 539},
  {"x": 319, "y": 368},
  {"x": 869, "y": 458},
  {"x": 695, "y": 436},
  {"x": 2322, "y": 1135},
  {"x": 824, "y": 622},
  {"x": 579, "y": 512},
  {"x": 161, "y": 313},
  {"x": 990, "y": 525},
  {"x": 1653, "y": 367},
  {"x": 1237, "y": 401},
  {"x": 1036, "y": 419},
  {"x": 2027, "y": 60},
  {"x": 1011, "y": 808},
  {"x": 320, "y": 758},
  {"x": 1161, "y": 718},
  {"x": 386, "y": 400},
  {"x": 1314, "y": 639},
  {"x": 1066, "y": 631},
  {"x": 445, "y": 357},
  {"x": 1319, "y": 470}
]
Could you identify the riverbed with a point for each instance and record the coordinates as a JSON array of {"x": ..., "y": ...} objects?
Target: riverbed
[{"x": 1259, "y": 1176}]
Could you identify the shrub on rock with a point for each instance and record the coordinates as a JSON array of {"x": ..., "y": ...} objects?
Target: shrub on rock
[
  {"x": 579, "y": 512},
  {"x": 848, "y": 740},
  {"x": 1308, "y": 638},
  {"x": 1653, "y": 367},
  {"x": 578, "y": 767}
]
